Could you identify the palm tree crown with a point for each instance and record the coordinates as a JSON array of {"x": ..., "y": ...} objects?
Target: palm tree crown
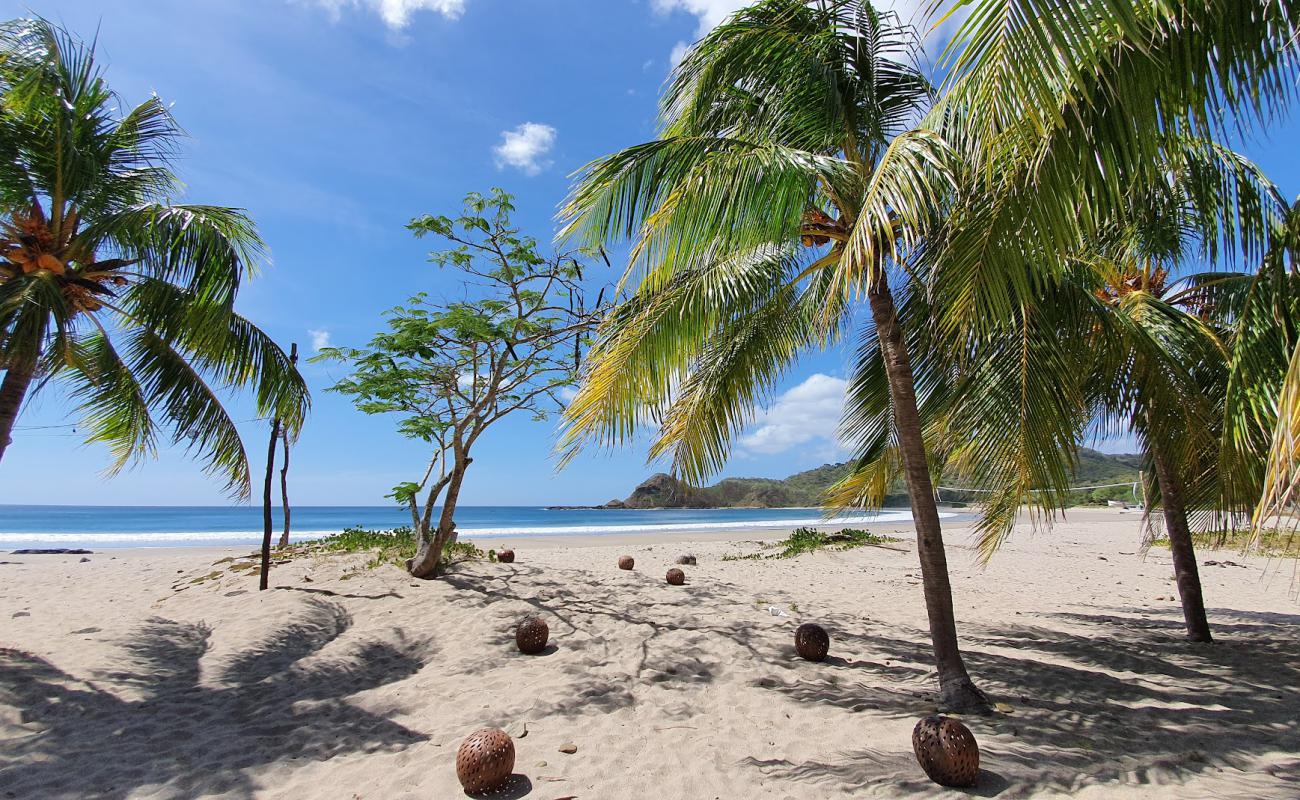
[{"x": 106, "y": 284}]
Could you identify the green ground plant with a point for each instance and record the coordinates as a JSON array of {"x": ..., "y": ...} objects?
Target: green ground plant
[
  {"x": 1274, "y": 542},
  {"x": 810, "y": 540},
  {"x": 393, "y": 546}
]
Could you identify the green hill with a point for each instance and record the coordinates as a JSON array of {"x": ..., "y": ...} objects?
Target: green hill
[{"x": 806, "y": 488}]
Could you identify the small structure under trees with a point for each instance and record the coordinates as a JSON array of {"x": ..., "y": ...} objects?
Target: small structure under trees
[{"x": 451, "y": 369}]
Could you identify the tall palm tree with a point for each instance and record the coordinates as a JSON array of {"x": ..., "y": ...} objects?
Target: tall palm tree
[
  {"x": 787, "y": 181},
  {"x": 1114, "y": 338},
  {"x": 108, "y": 286},
  {"x": 1059, "y": 109},
  {"x": 1160, "y": 355}
]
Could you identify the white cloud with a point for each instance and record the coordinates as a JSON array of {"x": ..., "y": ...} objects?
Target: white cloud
[
  {"x": 809, "y": 412},
  {"x": 712, "y": 13},
  {"x": 679, "y": 52},
  {"x": 395, "y": 13},
  {"x": 320, "y": 339},
  {"x": 525, "y": 148}
]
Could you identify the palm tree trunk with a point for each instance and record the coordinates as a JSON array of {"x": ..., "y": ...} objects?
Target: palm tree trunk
[
  {"x": 956, "y": 690},
  {"x": 12, "y": 392},
  {"x": 1181, "y": 548}
]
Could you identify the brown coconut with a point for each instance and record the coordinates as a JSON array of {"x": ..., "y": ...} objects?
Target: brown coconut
[
  {"x": 946, "y": 750},
  {"x": 811, "y": 641},
  {"x": 485, "y": 760}
]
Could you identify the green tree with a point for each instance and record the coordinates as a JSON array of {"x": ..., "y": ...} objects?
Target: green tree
[
  {"x": 451, "y": 370},
  {"x": 1059, "y": 109},
  {"x": 787, "y": 181},
  {"x": 109, "y": 287}
]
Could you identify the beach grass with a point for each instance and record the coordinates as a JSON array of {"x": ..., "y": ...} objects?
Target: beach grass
[
  {"x": 1276, "y": 542},
  {"x": 810, "y": 540},
  {"x": 392, "y": 546}
]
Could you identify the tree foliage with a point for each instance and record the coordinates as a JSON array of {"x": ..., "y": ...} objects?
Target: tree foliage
[
  {"x": 109, "y": 286},
  {"x": 449, "y": 369}
]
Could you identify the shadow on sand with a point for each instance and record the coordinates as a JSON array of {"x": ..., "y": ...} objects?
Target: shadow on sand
[
  {"x": 191, "y": 737},
  {"x": 1119, "y": 699}
]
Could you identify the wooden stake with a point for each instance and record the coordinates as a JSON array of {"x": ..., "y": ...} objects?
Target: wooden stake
[
  {"x": 284, "y": 468},
  {"x": 266, "y": 504}
]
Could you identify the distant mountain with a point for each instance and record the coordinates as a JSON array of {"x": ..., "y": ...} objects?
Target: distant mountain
[{"x": 806, "y": 488}]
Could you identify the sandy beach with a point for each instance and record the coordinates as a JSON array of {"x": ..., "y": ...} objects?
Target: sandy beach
[{"x": 164, "y": 674}]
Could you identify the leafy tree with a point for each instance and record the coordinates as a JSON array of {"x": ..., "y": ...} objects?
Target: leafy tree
[
  {"x": 452, "y": 369},
  {"x": 106, "y": 284},
  {"x": 788, "y": 180}
]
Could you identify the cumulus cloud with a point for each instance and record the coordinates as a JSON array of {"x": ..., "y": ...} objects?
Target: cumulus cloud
[
  {"x": 525, "y": 148},
  {"x": 711, "y": 13},
  {"x": 320, "y": 339},
  {"x": 396, "y": 14},
  {"x": 809, "y": 412}
]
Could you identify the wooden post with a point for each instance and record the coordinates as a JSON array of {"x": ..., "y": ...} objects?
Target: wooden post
[
  {"x": 266, "y": 504},
  {"x": 284, "y": 468}
]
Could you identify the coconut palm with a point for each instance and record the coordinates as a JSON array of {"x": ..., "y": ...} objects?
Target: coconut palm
[
  {"x": 1059, "y": 109},
  {"x": 1261, "y": 460},
  {"x": 106, "y": 285},
  {"x": 787, "y": 182},
  {"x": 1115, "y": 338}
]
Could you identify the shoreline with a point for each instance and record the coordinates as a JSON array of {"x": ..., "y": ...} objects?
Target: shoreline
[
  {"x": 645, "y": 525},
  {"x": 955, "y": 525}
]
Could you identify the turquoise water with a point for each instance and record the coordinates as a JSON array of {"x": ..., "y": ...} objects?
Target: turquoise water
[{"x": 173, "y": 526}]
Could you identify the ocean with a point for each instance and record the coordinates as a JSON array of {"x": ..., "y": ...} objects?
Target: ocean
[{"x": 98, "y": 527}]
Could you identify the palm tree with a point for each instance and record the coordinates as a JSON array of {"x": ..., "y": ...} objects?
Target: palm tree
[
  {"x": 1116, "y": 339},
  {"x": 787, "y": 181},
  {"x": 107, "y": 285},
  {"x": 1160, "y": 347},
  {"x": 1261, "y": 459},
  {"x": 1059, "y": 109}
]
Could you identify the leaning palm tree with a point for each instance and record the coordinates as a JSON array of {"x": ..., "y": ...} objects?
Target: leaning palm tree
[
  {"x": 109, "y": 287},
  {"x": 786, "y": 183},
  {"x": 1059, "y": 109}
]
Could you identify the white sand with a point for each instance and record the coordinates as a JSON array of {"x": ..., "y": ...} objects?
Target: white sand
[{"x": 121, "y": 678}]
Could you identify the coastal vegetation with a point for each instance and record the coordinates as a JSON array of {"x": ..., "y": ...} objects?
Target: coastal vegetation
[
  {"x": 452, "y": 369},
  {"x": 1118, "y": 476},
  {"x": 108, "y": 286},
  {"x": 788, "y": 180}
]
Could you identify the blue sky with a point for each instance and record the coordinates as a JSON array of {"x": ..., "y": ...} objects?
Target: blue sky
[{"x": 334, "y": 122}]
